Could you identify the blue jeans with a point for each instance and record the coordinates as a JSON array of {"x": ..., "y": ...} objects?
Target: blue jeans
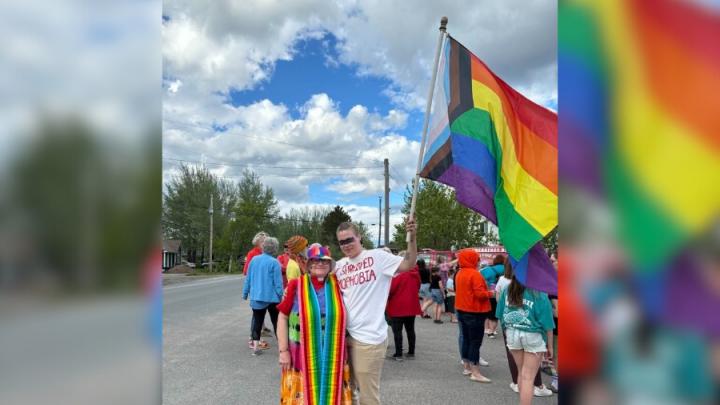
[
  {"x": 460, "y": 340},
  {"x": 472, "y": 329}
]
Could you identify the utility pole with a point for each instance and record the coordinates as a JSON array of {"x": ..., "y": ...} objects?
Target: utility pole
[
  {"x": 386, "y": 162},
  {"x": 379, "y": 219},
  {"x": 211, "y": 231}
]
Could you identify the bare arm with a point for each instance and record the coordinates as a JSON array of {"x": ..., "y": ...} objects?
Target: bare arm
[
  {"x": 411, "y": 252},
  {"x": 550, "y": 352},
  {"x": 282, "y": 337}
]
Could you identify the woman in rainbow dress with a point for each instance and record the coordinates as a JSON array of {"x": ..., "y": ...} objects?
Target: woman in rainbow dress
[{"x": 311, "y": 337}]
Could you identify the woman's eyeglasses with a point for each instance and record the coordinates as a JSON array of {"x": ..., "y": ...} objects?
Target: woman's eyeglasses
[
  {"x": 346, "y": 241},
  {"x": 316, "y": 262}
]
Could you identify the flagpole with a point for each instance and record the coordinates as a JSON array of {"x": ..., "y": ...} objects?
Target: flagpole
[{"x": 428, "y": 105}]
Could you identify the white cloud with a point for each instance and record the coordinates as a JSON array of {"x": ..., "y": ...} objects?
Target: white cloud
[
  {"x": 175, "y": 86},
  {"x": 343, "y": 153},
  {"x": 514, "y": 38},
  {"x": 235, "y": 44}
]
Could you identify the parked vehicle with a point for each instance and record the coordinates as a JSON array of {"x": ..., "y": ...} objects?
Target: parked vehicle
[{"x": 187, "y": 263}]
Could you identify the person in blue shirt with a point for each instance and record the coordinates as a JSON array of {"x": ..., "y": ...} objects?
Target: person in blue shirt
[
  {"x": 491, "y": 275},
  {"x": 264, "y": 286},
  {"x": 527, "y": 317}
]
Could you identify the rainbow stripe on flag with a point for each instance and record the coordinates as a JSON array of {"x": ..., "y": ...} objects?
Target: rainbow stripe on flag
[
  {"x": 322, "y": 348},
  {"x": 499, "y": 151},
  {"x": 640, "y": 124}
]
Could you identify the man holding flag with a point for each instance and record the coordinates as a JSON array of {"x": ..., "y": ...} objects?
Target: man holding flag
[{"x": 364, "y": 277}]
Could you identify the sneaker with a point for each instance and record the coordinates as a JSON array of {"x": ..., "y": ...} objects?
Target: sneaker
[
  {"x": 483, "y": 363},
  {"x": 410, "y": 355},
  {"x": 492, "y": 335},
  {"x": 438, "y": 321},
  {"x": 398, "y": 357},
  {"x": 514, "y": 387},
  {"x": 541, "y": 391}
]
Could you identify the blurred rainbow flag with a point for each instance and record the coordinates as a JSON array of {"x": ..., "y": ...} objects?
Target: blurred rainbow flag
[
  {"x": 639, "y": 119},
  {"x": 499, "y": 151}
]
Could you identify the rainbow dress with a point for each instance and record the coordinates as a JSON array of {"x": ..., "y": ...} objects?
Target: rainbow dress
[{"x": 316, "y": 327}]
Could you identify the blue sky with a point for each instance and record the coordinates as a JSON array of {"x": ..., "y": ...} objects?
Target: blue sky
[{"x": 314, "y": 69}]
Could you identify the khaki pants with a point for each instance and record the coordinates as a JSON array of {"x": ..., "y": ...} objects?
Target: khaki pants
[{"x": 366, "y": 362}]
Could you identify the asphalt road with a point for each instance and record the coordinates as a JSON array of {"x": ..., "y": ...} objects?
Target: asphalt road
[{"x": 206, "y": 359}]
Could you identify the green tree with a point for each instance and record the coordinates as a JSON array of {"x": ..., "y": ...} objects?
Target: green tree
[
  {"x": 255, "y": 211},
  {"x": 364, "y": 232},
  {"x": 306, "y": 222},
  {"x": 329, "y": 227},
  {"x": 443, "y": 223},
  {"x": 186, "y": 205},
  {"x": 550, "y": 242}
]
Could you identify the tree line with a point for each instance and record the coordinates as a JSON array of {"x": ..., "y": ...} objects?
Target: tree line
[{"x": 240, "y": 210}]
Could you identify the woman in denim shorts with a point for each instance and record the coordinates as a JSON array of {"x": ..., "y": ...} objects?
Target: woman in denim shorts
[
  {"x": 437, "y": 293},
  {"x": 424, "y": 287},
  {"x": 527, "y": 317}
]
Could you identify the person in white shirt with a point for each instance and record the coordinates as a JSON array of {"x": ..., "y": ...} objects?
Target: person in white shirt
[{"x": 364, "y": 277}]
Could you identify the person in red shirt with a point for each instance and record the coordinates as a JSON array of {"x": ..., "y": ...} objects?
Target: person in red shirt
[
  {"x": 402, "y": 308},
  {"x": 257, "y": 242},
  {"x": 283, "y": 259}
]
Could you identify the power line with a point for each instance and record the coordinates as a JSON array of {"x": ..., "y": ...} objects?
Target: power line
[{"x": 392, "y": 168}]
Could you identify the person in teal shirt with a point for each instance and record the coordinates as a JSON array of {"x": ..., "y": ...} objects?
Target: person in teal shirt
[
  {"x": 526, "y": 315},
  {"x": 491, "y": 275}
]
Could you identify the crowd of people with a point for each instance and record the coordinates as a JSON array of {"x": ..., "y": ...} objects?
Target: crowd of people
[{"x": 331, "y": 318}]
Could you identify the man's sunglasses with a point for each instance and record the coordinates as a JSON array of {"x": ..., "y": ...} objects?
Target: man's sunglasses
[{"x": 346, "y": 241}]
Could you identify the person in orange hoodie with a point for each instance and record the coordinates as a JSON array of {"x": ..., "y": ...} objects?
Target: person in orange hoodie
[{"x": 472, "y": 302}]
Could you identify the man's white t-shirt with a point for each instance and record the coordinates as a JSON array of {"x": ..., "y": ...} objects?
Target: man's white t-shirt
[{"x": 365, "y": 283}]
